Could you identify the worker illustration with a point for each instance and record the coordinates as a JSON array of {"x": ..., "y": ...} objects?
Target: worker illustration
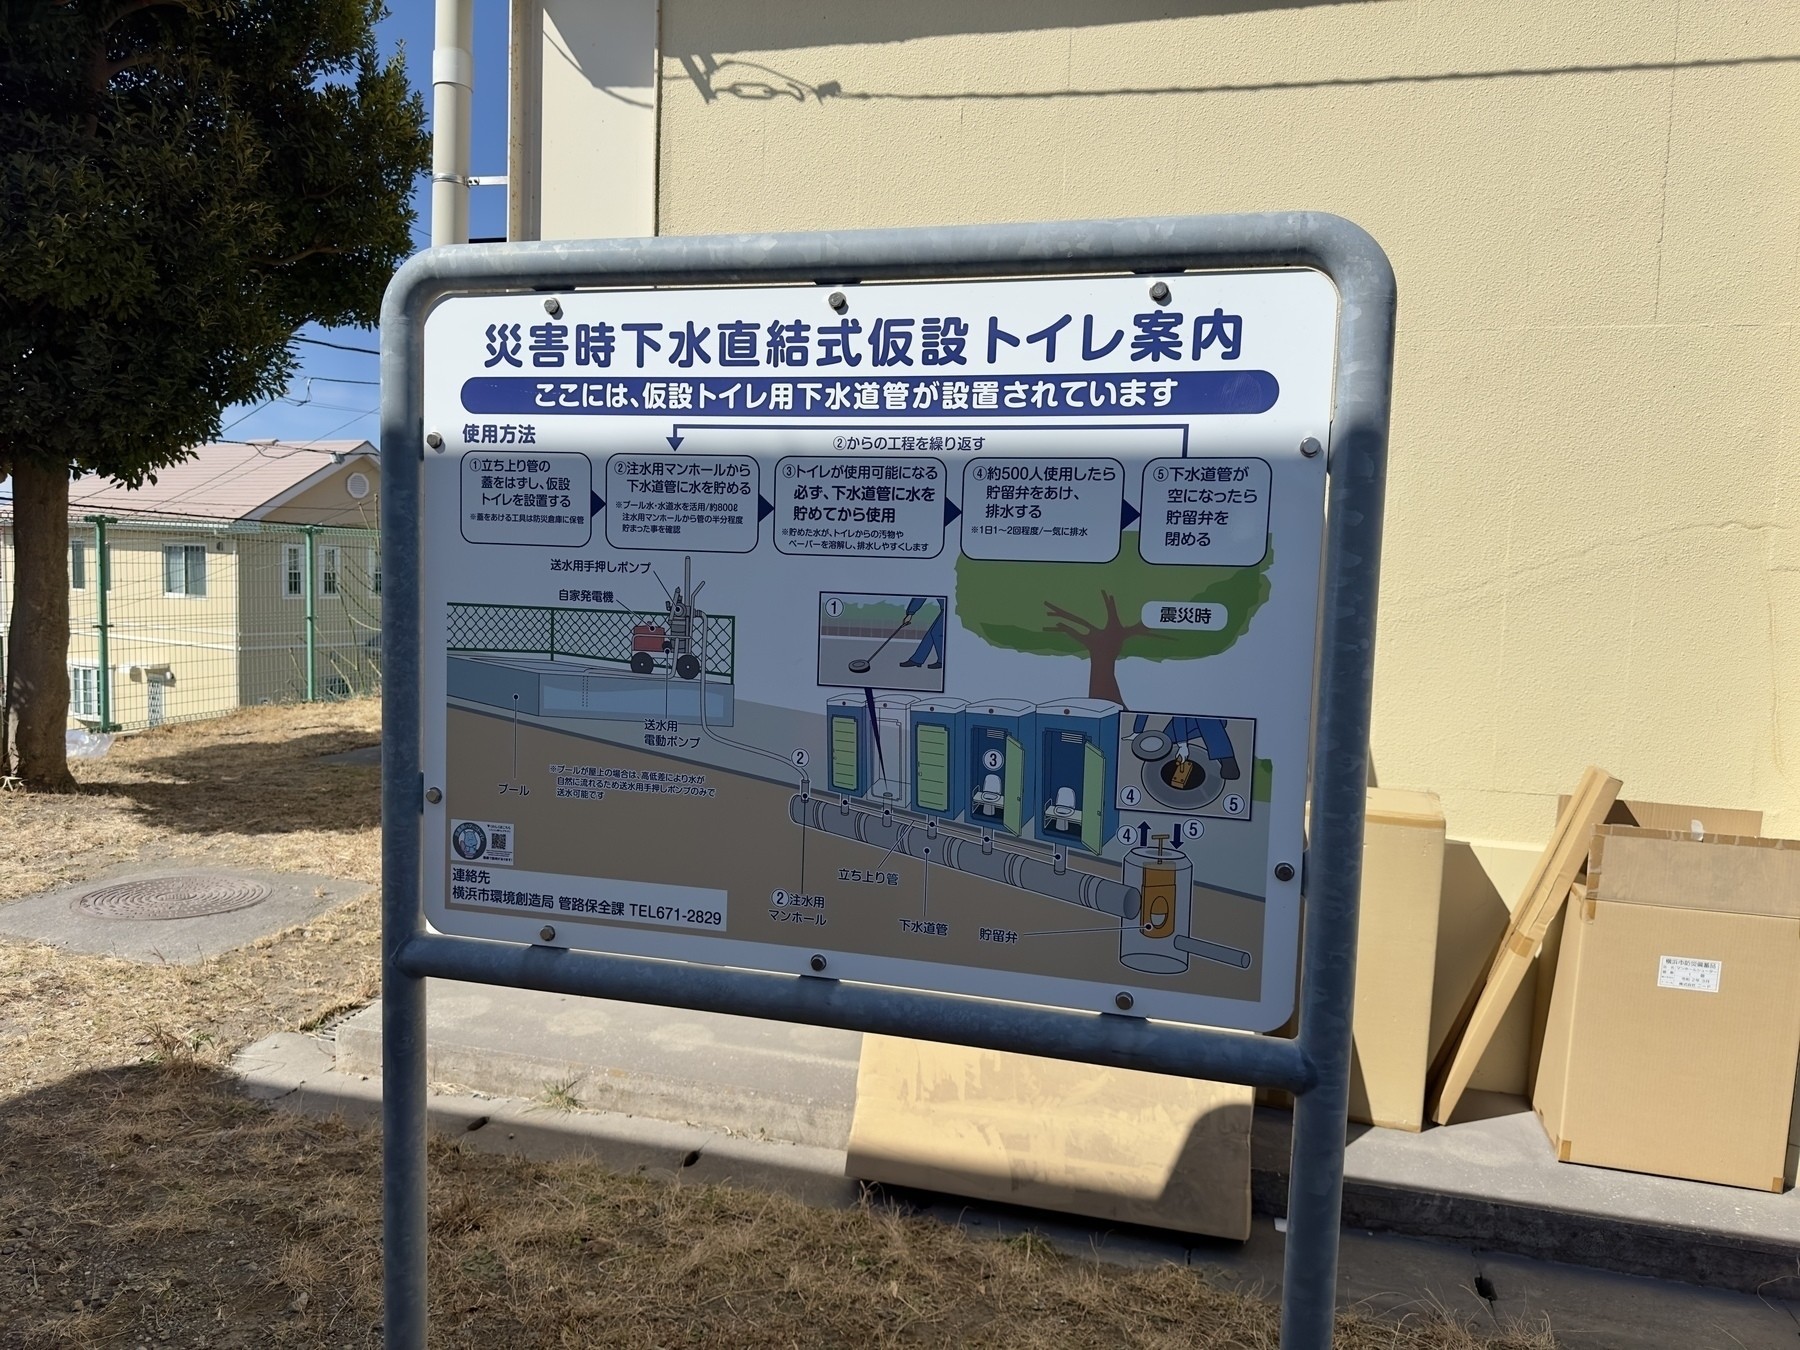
[
  {"x": 930, "y": 651},
  {"x": 1211, "y": 734}
]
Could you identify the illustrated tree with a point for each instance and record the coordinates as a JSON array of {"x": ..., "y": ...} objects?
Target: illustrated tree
[
  {"x": 183, "y": 184},
  {"x": 1095, "y": 609}
]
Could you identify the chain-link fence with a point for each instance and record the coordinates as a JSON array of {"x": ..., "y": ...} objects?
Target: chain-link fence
[
  {"x": 175, "y": 620},
  {"x": 647, "y": 636}
]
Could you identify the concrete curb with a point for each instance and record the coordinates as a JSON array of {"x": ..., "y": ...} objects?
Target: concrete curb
[
  {"x": 1490, "y": 1183},
  {"x": 296, "y": 1071},
  {"x": 1511, "y": 1195},
  {"x": 1378, "y": 1274}
]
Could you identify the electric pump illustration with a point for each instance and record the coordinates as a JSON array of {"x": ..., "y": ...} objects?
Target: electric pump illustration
[{"x": 967, "y": 786}]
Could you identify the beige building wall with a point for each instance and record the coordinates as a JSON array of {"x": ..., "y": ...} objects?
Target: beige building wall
[
  {"x": 583, "y": 88},
  {"x": 1592, "y": 205},
  {"x": 165, "y": 648},
  {"x": 1593, "y": 208},
  {"x": 272, "y": 619},
  {"x": 348, "y": 497}
]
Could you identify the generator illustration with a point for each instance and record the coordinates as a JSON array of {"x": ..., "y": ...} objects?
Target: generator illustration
[
  {"x": 669, "y": 646},
  {"x": 1078, "y": 743},
  {"x": 940, "y": 772},
  {"x": 999, "y": 740}
]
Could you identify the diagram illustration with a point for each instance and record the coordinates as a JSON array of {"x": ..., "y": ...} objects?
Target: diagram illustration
[
  {"x": 1044, "y": 754},
  {"x": 605, "y": 662},
  {"x": 1011, "y": 791},
  {"x": 1080, "y": 800},
  {"x": 887, "y": 641}
]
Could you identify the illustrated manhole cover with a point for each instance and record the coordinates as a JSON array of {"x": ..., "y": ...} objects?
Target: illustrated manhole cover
[{"x": 188, "y": 897}]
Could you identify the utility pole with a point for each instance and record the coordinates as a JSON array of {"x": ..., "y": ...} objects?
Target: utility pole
[{"x": 452, "y": 100}]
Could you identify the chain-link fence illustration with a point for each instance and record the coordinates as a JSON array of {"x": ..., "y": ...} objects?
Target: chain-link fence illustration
[{"x": 634, "y": 638}]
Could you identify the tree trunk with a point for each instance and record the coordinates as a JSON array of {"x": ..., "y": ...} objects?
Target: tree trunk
[
  {"x": 1103, "y": 672},
  {"x": 1103, "y": 643},
  {"x": 38, "y": 636}
]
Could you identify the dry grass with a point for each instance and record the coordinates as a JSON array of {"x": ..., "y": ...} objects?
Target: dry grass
[
  {"x": 144, "y": 1201},
  {"x": 154, "y": 1205},
  {"x": 246, "y": 790},
  {"x": 62, "y": 1013}
]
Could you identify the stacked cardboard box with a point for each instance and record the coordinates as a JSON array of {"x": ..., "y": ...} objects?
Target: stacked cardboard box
[{"x": 1674, "y": 1024}]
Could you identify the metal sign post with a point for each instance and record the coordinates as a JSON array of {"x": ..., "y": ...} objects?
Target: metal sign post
[{"x": 911, "y": 631}]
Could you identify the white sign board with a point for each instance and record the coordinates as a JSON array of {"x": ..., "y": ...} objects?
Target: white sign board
[{"x": 960, "y": 635}]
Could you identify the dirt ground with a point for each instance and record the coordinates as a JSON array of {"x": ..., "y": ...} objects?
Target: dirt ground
[{"x": 144, "y": 1201}]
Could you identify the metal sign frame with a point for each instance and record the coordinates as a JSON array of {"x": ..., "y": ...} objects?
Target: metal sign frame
[{"x": 1315, "y": 1066}]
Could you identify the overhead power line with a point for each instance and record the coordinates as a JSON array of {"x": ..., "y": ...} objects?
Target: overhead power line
[{"x": 339, "y": 346}]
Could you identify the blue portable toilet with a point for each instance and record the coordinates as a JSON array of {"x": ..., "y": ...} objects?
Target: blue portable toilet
[
  {"x": 849, "y": 741},
  {"x": 998, "y": 752},
  {"x": 1078, "y": 772},
  {"x": 940, "y": 773}
]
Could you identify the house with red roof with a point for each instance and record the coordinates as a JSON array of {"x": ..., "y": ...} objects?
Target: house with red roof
[{"x": 249, "y": 573}]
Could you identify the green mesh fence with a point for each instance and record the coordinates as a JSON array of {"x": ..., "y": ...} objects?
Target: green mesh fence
[
  {"x": 590, "y": 634},
  {"x": 184, "y": 619}
]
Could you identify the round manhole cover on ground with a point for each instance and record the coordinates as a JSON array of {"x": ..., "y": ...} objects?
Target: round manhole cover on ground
[{"x": 189, "y": 897}]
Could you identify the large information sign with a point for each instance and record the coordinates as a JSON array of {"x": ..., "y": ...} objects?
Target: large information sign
[{"x": 955, "y": 636}]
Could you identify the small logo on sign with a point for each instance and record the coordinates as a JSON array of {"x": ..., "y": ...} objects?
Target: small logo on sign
[{"x": 486, "y": 841}]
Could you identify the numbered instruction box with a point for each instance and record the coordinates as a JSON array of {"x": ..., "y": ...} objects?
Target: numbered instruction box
[
  {"x": 538, "y": 499},
  {"x": 1213, "y": 512},
  {"x": 861, "y": 506},
  {"x": 696, "y": 503},
  {"x": 1034, "y": 508}
]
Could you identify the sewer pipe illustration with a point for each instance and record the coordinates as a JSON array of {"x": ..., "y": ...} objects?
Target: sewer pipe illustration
[{"x": 995, "y": 859}]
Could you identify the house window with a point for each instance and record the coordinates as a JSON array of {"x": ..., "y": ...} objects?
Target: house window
[
  {"x": 77, "y": 565},
  {"x": 375, "y": 569},
  {"x": 184, "y": 569},
  {"x": 328, "y": 570},
  {"x": 84, "y": 691},
  {"x": 293, "y": 571}
]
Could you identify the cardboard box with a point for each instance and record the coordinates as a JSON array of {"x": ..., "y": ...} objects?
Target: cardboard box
[
  {"x": 1674, "y": 1023},
  {"x": 1396, "y": 961},
  {"x": 1701, "y": 820},
  {"x": 1113, "y": 1144},
  {"x": 1396, "y": 957}
]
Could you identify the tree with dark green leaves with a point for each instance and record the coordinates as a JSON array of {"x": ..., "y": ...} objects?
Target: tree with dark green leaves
[
  {"x": 1096, "y": 610},
  {"x": 183, "y": 184}
]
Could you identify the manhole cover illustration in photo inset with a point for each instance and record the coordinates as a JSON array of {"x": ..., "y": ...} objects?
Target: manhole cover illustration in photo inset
[{"x": 177, "y": 897}]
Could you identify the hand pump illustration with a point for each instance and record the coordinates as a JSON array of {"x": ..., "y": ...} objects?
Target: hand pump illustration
[{"x": 670, "y": 645}]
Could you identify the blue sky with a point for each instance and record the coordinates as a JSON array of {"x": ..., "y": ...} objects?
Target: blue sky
[{"x": 334, "y": 393}]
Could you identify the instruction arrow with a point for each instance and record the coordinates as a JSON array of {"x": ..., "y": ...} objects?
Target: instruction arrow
[
  {"x": 674, "y": 438},
  {"x": 596, "y": 504},
  {"x": 764, "y": 508},
  {"x": 1143, "y": 833},
  {"x": 1128, "y": 514},
  {"x": 951, "y": 511}
]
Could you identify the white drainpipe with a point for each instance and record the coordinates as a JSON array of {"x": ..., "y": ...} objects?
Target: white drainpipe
[{"x": 452, "y": 98}]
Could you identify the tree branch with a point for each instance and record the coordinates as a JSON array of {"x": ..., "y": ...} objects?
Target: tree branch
[
  {"x": 120, "y": 67},
  {"x": 1062, "y": 613},
  {"x": 1112, "y": 609},
  {"x": 302, "y": 255},
  {"x": 1081, "y": 638},
  {"x": 130, "y": 7}
]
